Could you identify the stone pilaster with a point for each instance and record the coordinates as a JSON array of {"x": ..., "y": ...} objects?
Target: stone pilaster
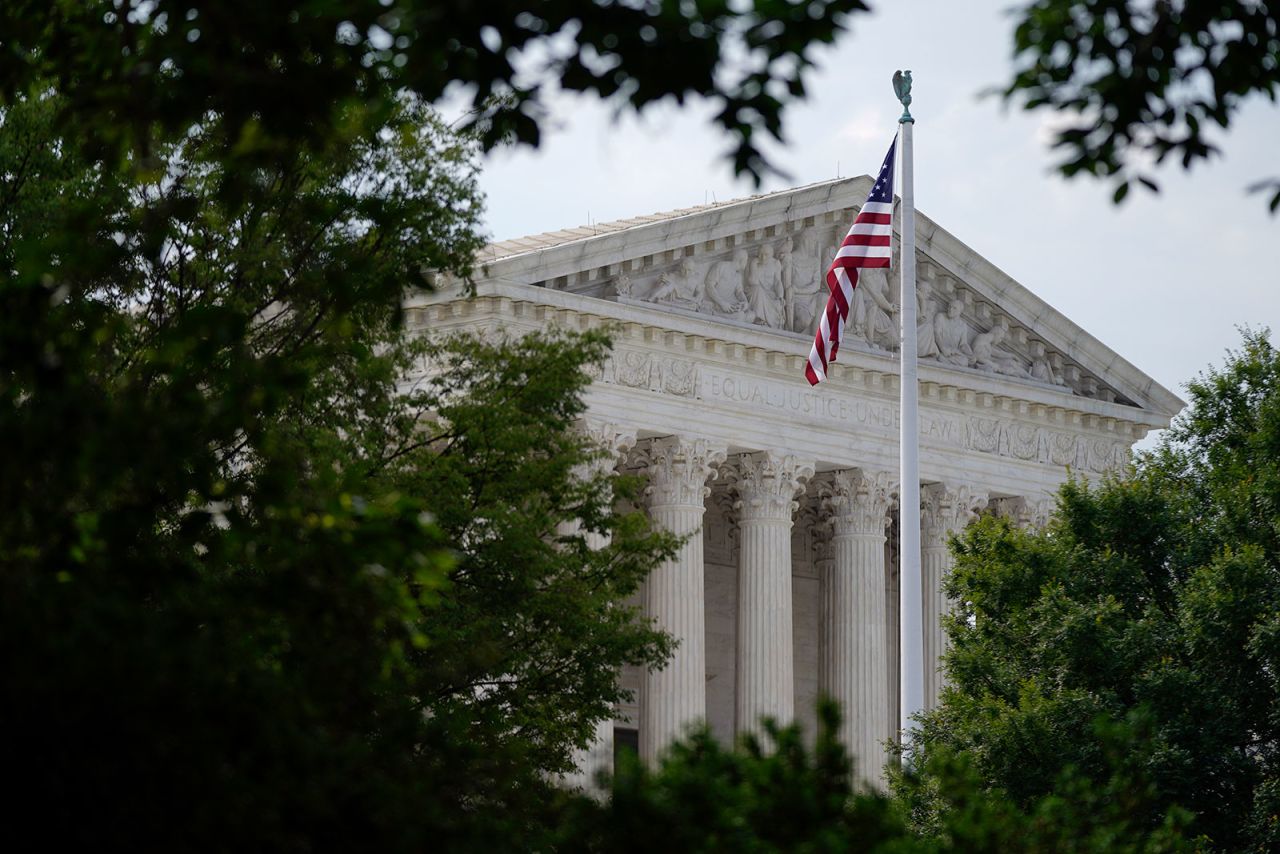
[
  {"x": 854, "y": 650},
  {"x": 766, "y": 484},
  {"x": 676, "y": 696},
  {"x": 943, "y": 511},
  {"x": 614, "y": 443}
]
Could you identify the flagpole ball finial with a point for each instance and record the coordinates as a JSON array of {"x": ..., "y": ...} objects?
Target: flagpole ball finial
[{"x": 902, "y": 88}]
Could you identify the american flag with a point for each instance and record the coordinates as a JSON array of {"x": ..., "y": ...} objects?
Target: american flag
[{"x": 866, "y": 245}]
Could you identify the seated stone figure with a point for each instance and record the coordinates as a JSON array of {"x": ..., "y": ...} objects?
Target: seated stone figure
[
  {"x": 989, "y": 355},
  {"x": 951, "y": 335},
  {"x": 765, "y": 293},
  {"x": 723, "y": 287},
  {"x": 926, "y": 346},
  {"x": 681, "y": 288},
  {"x": 873, "y": 310},
  {"x": 808, "y": 288}
]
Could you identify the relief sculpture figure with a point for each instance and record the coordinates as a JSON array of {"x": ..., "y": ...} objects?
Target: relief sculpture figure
[
  {"x": 989, "y": 355},
  {"x": 926, "y": 346},
  {"x": 808, "y": 295},
  {"x": 951, "y": 335},
  {"x": 766, "y": 292},
  {"x": 723, "y": 287},
  {"x": 873, "y": 311},
  {"x": 681, "y": 288},
  {"x": 788, "y": 286},
  {"x": 1041, "y": 367}
]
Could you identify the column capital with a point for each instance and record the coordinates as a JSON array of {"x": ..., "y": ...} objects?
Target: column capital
[
  {"x": 613, "y": 443},
  {"x": 1041, "y": 510},
  {"x": 858, "y": 500},
  {"x": 945, "y": 509},
  {"x": 678, "y": 468},
  {"x": 766, "y": 484},
  {"x": 1024, "y": 512},
  {"x": 613, "y": 439}
]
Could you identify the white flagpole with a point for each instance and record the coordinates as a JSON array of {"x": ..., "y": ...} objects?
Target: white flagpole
[{"x": 911, "y": 639}]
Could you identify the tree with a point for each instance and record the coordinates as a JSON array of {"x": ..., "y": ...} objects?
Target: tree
[
  {"x": 282, "y": 74},
  {"x": 1144, "y": 79},
  {"x": 778, "y": 795},
  {"x": 1149, "y": 607},
  {"x": 252, "y": 591},
  {"x": 770, "y": 794}
]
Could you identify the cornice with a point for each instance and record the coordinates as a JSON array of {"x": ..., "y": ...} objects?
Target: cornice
[{"x": 775, "y": 355}]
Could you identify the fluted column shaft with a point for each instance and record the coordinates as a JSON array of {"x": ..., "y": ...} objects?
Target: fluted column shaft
[
  {"x": 766, "y": 484},
  {"x": 935, "y": 566},
  {"x": 943, "y": 511},
  {"x": 675, "y": 696},
  {"x": 597, "y": 755},
  {"x": 853, "y": 648}
]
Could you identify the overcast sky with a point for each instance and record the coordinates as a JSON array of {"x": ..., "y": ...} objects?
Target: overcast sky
[{"x": 1163, "y": 280}]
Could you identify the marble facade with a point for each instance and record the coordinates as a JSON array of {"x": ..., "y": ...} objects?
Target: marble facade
[{"x": 786, "y": 587}]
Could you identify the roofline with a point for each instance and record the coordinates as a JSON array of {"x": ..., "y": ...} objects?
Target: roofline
[{"x": 759, "y": 213}]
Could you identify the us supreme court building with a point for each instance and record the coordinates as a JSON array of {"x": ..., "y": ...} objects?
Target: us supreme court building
[{"x": 787, "y": 586}]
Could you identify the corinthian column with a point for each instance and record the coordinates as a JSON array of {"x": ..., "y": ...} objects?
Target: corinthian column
[
  {"x": 614, "y": 443},
  {"x": 854, "y": 651},
  {"x": 675, "y": 696},
  {"x": 766, "y": 484},
  {"x": 943, "y": 511}
]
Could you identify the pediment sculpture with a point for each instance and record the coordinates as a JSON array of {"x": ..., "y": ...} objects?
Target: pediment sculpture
[{"x": 778, "y": 282}]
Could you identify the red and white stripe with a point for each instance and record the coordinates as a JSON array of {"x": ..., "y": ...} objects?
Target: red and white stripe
[{"x": 866, "y": 245}]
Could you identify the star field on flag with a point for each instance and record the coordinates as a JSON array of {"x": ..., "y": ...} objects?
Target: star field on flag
[{"x": 866, "y": 245}]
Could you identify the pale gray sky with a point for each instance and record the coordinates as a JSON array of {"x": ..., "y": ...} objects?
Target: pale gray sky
[{"x": 1163, "y": 280}]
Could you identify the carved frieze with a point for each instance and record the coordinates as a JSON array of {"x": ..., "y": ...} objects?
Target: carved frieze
[
  {"x": 1035, "y": 443},
  {"x": 652, "y": 372},
  {"x": 1001, "y": 437}
]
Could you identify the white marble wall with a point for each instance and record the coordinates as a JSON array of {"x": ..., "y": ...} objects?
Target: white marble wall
[
  {"x": 722, "y": 622},
  {"x": 808, "y": 606}
]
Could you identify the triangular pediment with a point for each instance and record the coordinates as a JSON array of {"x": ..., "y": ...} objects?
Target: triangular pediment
[{"x": 759, "y": 263}]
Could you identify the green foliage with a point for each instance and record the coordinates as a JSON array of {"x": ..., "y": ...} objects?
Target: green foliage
[
  {"x": 1147, "y": 615},
  {"x": 1144, "y": 79},
  {"x": 955, "y": 810},
  {"x": 263, "y": 581},
  {"x": 283, "y": 74},
  {"x": 779, "y": 795},
  {"x": 525, "y": 646},
  {"x": 760, "y": 797},
  {"x": 252, "y": 592}
]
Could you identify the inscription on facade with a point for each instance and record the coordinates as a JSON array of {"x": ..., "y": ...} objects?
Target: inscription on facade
[
  {"x": 998, "y": 437},
  {"x": 799, "y": 400}
]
